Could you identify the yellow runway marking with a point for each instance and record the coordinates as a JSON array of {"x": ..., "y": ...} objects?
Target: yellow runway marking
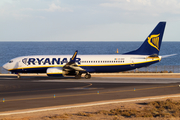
[
  {"x": 89, "y": 84},
  {"x": 91, "y": 93},
  {"x": 139, "y": 89}
]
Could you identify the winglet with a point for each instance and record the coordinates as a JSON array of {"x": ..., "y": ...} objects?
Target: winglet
[{"x": 73, "y": 59}]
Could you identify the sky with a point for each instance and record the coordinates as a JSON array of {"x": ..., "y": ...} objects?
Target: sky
[{"x": 87, "y": 20}]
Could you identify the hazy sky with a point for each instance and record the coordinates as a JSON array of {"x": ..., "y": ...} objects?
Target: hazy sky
[{"x": 87, "y": 20}]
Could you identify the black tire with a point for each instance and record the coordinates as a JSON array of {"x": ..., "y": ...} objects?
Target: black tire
[{"x": 87, "y": 76}]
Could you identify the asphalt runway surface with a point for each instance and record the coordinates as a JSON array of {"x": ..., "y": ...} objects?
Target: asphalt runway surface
[{"x": 35, "y": 92}]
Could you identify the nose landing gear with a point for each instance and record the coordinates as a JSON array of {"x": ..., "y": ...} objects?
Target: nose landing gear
[{"x": 18, "y": 75}]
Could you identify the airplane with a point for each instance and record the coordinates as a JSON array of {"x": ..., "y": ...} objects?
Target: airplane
[{"x": 76, "y": 65}]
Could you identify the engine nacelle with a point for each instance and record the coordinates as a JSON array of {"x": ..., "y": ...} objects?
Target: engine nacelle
[{"x": 55, "y": 71}]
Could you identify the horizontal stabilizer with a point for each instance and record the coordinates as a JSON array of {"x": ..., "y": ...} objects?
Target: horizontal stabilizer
[{"x": 165, "y": 56}]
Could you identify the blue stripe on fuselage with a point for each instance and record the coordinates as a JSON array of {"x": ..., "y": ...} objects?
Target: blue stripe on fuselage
[{"x": 97, "y": 69}]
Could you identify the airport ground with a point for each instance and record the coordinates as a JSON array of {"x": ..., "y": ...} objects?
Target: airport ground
[{"x": 39, "y": 97}]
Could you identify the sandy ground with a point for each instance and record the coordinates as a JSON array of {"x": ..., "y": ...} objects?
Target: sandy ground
[{"x": 86, "y": 113}]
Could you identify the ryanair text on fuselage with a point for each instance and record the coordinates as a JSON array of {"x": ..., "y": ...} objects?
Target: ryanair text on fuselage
[{"x": 49, "y": 61}]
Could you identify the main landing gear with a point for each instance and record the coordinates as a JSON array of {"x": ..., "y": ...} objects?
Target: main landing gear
[
  {"x": 87, "y": 76},
  {"x": 78, "y": 75}
]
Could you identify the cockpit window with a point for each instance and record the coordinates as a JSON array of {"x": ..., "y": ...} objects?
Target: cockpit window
[{"x": 10, "y": 61}]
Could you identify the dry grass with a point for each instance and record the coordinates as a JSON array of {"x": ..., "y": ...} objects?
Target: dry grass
[
  {"x": 165, "y": 109},
  {"x": 64, "y": 116},
  {"x": 84, "y": 114},
  {"x": 155, "y": 109}
]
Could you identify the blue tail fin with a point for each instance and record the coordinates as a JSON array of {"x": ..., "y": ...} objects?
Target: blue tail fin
[{"x": 152, "y": 43}]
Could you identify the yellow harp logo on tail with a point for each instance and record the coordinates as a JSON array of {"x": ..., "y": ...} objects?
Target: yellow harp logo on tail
[{"x": 153, "y": 40}]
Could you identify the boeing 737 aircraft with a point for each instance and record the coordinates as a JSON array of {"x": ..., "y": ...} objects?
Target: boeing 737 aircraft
[{"x": 60, "y": 65}]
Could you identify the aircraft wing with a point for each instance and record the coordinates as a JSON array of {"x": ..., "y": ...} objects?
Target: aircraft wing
[
  {"x": 70, "y": 68},
  {"x": 71, "y": 65}
]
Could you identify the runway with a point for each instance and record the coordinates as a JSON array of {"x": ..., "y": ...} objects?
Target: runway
[{"x": 35, "y": 92}]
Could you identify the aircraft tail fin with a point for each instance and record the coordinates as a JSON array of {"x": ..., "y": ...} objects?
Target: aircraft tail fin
[{"x": 152, "y": 43}]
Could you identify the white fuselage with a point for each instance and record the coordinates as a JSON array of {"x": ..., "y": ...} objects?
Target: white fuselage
[{"x": 91, "y": 63}]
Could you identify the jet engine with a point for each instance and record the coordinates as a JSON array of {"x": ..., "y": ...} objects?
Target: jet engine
[{"x": 55, "y": 71}]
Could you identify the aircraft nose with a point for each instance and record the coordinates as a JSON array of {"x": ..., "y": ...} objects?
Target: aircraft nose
[{"x": 5, "y": 66}]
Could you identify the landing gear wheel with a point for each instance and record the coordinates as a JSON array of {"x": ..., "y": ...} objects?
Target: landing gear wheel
[
  {"x": 18, "y": 76},
  {"x": 87, "y": 76},
  {"x": 78, "y": 76}
]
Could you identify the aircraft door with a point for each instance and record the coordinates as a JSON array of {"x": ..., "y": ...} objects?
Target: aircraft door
[
  {"x": 19, "y": 64},
  {"x": 132, "y": 62}
]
